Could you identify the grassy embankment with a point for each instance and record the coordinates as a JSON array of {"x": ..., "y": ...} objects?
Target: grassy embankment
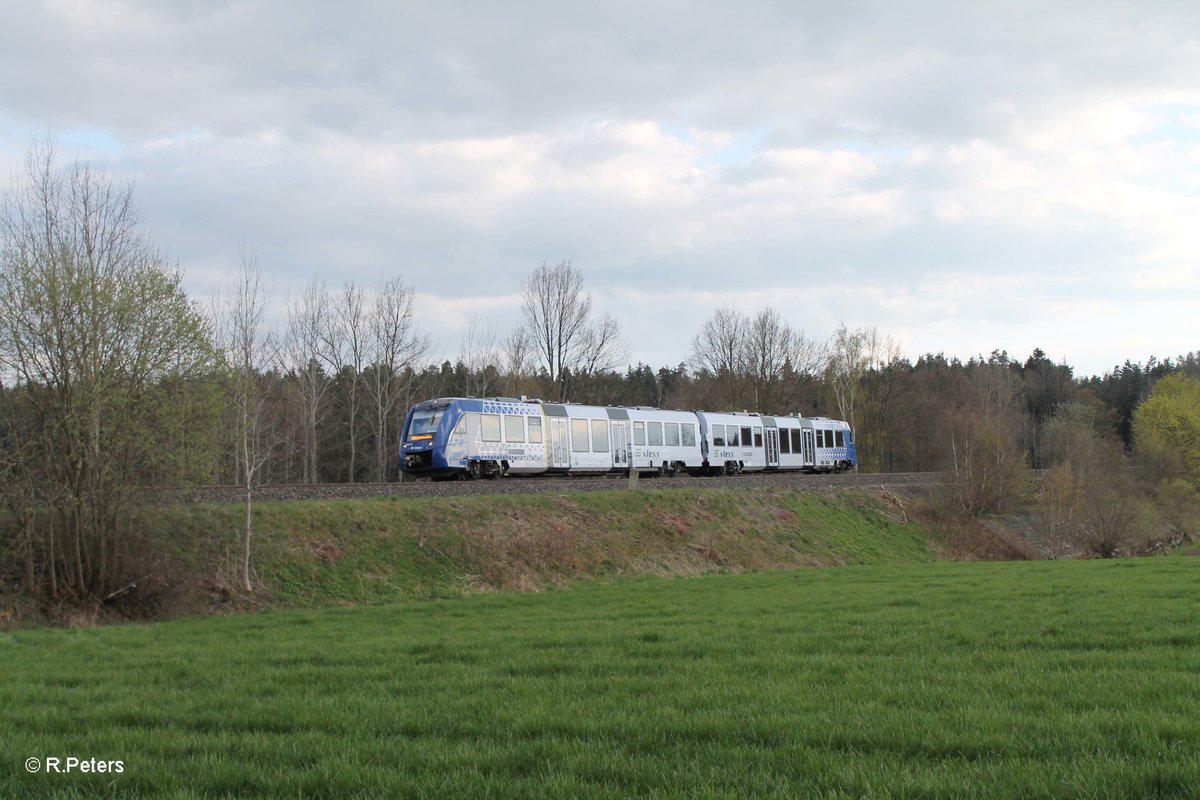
[
  {"x": 1047, "y": 679},
  {"x": 310, "y": 553}
]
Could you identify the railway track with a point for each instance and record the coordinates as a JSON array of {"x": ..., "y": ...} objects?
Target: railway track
[{"x": 542, "y": 485}]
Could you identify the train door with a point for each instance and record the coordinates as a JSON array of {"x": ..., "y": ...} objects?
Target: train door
[
  {"x": 560, "y": 443},
  {"x": 620, "y": 443},
  {"x": 772, "y": 447},
  {"x": 810, "y": 453}
]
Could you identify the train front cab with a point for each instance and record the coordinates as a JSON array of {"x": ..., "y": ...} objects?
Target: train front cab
[
  {"x": 470, "y": 437},
  {"x": 423, "y": 438}
]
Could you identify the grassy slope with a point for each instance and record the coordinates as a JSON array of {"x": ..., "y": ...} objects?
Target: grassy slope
[
  {"x": 317, "y": 552},
  {"x": 1060, "y": 679}
]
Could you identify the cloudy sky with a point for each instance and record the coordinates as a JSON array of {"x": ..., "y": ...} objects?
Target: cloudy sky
[{"x": 966, "y": 176}]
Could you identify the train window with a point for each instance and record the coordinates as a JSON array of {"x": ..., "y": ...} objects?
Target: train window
[
  {"x": 425, "y": 421},
  {"x": 746, "y": 438},
  {"x": 514, "y": 429},
  {"x": 796, "y": 447},
  {"x": 489, "y": 427},
  {"x": 840, "y": 439},
  {"x": 535, "y": 430},
  {"x": 688, "y": 434},
  {"x": 758, "y": 437},
  {"x": 785, "y": 443},
  {"x": 579, "y": 435},
  {"x": 599, "y": 436},
  {"x": 639, "y": 433},
  {"x": 850, "y": 436},
  {"x": 731, "y": 436},
  {"x": 820, "y": 437},
  {"x": 671, "y": 434},
  {"x": 718, "y": 435},
  {"x": 654, "y": 433}
]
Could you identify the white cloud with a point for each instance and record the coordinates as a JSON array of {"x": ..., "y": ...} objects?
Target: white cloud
[{"x": 969, "y": 176}]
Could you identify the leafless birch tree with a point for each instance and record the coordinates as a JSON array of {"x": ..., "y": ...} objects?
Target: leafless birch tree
[
  {"x": 307, "y": 320},
  {"x": 848, "y": 362},
  {"x": 250, "y": 355},
  {"x": 396, "y": 346},
  {"x": 344, "y": 343}
]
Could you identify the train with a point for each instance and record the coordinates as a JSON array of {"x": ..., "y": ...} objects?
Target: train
[{"x": 452, "y": 438}]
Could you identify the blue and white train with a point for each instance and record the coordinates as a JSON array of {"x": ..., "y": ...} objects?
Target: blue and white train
[{"x": 468, "y": 437}]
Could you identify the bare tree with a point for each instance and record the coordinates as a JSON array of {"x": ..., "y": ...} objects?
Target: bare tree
[
  {"x": 396, "y": 346},
  {"x": 809, "y": 356},
  {"x": 344, "y": 340},
  {"x": 518, "y": 362},
  {"x": 603, "y": 349},
  {"x": 1091, "y": 497},
  {"x": 249, "y": 354},
  {"x": 719, "y": 350},
  {"x": 479, "y": 355},
  {"x": 985, "y": 429},
  {"x": 766, "y": 351},
  {"x": 558, "y": 320},
  {"x": 879, "y": 392},
  {"x": 720, "y": 344},
  {"x": 307, "y": 320}
]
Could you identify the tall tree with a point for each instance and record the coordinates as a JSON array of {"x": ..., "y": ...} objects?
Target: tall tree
[
  {"x": 1167, "y": 429},
  {"x": 518, "y": 361},
  {"x": 718, "y": 351},
  {"x": 344, "y": 340},
  {"x": 768, "y": 348},
  {"x": 987, "y": 426},
  {"x": 93, "y": 324},
  {"x": 250, "y": 355},
  {"x": 396, "y": 347},
  {"x": 307, "y": 319},
  {"x": 849, "y": 359},
  {"x": 558, "y": 320},
  {"x": 603, "y": 349},
  {"x": 479, "y": 356}
]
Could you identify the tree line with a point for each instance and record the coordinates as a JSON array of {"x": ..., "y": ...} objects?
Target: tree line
[{"x": 113, "y": 381}]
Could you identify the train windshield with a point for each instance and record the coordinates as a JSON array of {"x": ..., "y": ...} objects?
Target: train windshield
[{"x": 425, "y": 421}]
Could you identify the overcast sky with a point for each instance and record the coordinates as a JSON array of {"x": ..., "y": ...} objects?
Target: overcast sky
[{"x": 966, "y": 176}]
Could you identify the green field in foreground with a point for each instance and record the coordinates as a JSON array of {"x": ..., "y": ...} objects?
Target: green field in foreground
[{"x": 1078, "y": 679}]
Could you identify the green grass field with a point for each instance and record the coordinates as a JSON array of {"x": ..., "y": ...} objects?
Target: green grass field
[{"x": 1077, "y": 679}]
